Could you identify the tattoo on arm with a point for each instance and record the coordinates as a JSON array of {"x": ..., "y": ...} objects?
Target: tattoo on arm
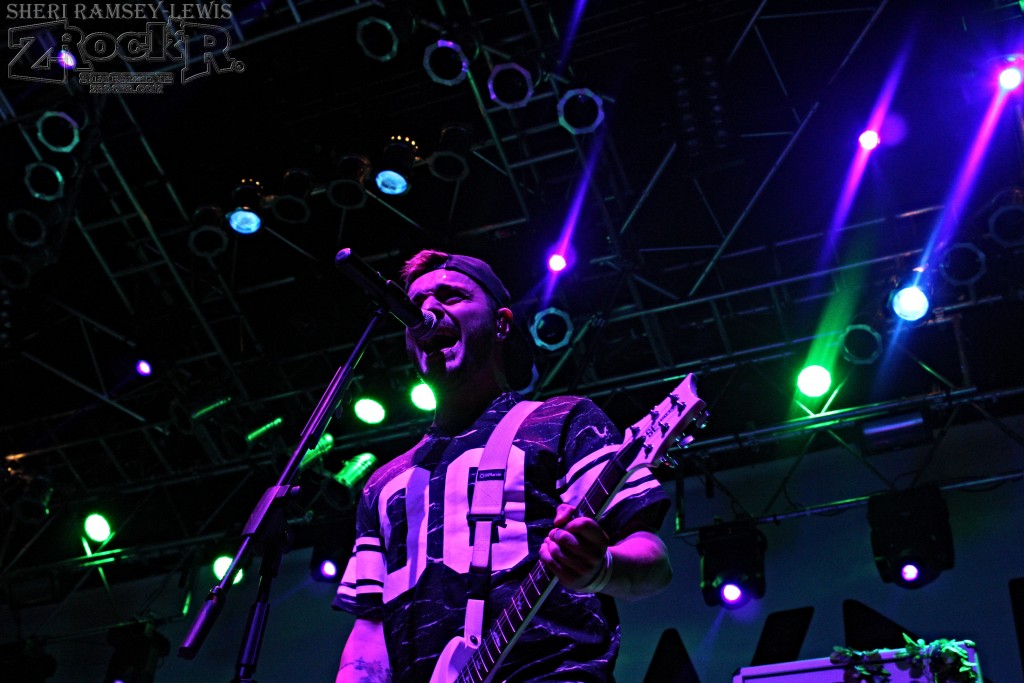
[{"x": 373, "y": 672}]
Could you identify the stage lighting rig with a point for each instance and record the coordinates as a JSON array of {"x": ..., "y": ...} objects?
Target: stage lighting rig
[
  {"x": 731, "y": 563},
  {"x": 580, "y": 111},
  {"x": 910, "y": 536}
]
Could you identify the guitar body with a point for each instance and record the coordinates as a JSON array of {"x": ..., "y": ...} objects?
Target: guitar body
[
  {"x": 454, "y": 656},
  {"x": 453, "y": 659}
]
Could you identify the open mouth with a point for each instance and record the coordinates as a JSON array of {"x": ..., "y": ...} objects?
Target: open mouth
[{"x": 439, "y": 341}]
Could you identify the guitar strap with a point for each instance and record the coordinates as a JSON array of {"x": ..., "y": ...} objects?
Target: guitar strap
[{"x": 486, "y": 511}]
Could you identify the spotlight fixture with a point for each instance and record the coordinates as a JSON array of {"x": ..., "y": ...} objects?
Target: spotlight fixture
[
  {"x": 27, "y": 228},
  {"x": 1010, "y": 78},
  {"x": 138, "y": 649},
  {"x": 450, "y": 160},
  {"x": 422, "y": 396},
  {"x": 910, "y": 299},
  {"x": 220, "y": 567},
  {"x": 894, "y": 432},
  {"x": 580, "y": 111},
  {"x": 263, "y": 430},
  {"x": 861, "y": 344},
  {"x": 551, "y": 329},
  {"x": 369, "y": 410},
  {"x": 184, "y": 418},
  {"x": 962, "y": 264},
  {"x": 207, "y": 239},
  {"x": 247, "y": 198},
  {"x": 343, "y": 488},
  {"x": 331, "y": 540},
  {"x": 511, "y": 84},
  {"x": 291, "y": 204},
  {"x": 1010, "y": 72},
  {"x": 869, "y": 140},
  {"x": 348, "y": 189},
  {"x": 814, "y": 381},
  {"x": 561, "y": 256},
  {"x": 97, "y": 527},
  {"x": 395, "y": 174},
  {"x": 313, "y": 458},
  {"x": 322, "y": 567},
  {"x": 910, "y": 536},
  {"x": 44, "y": 181},
  {"x": 57, "y": 131},
  {"x": 447, "y": 59},
  {"x": 731, "y": 563},
  {"x": 380, "y": 35}
]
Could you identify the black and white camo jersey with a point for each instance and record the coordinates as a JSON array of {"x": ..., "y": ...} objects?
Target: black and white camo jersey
[{"x": 413, "y": 543}]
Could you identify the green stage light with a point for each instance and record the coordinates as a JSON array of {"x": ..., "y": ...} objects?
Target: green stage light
[
  {"x": 814, "y": 381},
  {"x": 221, "y": 566},
  {"x": 423, "y": 397},
  {"x": 97, "y": 528},
  {"x": 324, "y": 445},
  {"x": 260, "y": 431},
  {"x": 369, "y": 411}
]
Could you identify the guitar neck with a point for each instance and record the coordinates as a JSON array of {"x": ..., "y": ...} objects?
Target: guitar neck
[{"x": 538, "y": 584}]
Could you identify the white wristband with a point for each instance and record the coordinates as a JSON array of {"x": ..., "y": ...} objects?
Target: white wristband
[{"x": 601, "y": 579}]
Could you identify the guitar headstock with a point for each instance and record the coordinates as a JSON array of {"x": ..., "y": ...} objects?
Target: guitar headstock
[{"x": 666, "y": 423}]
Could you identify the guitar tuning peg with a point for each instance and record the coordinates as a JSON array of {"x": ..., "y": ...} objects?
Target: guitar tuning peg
[
  {"x": 664, "y": 427},
  {"x": 634, "y": 430},
  {"x": 702, "y": 421},
  {"x": 684, "y": 441}
]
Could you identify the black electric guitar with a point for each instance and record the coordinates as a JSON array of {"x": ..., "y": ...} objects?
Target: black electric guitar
[{"x": 645, "y": 445}]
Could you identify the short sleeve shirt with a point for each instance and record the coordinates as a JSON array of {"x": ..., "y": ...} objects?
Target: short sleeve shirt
[{"x": 411, "y": 557}]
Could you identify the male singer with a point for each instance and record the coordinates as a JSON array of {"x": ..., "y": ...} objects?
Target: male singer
[{"x": 409, "y": 577}]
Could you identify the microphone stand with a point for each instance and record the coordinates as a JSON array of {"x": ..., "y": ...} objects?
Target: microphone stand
[{"x": 266, "y": 531}]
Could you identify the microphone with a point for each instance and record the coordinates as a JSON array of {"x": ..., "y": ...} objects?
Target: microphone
[{"x": 387, "y": 293}]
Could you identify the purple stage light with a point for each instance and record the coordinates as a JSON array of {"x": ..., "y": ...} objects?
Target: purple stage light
[
  {"x": 1010, "y": 77},
  {"x": 869, "y": 139},
  {"x": 557, "y": 263},
  {"x": 144, "y": 368},
  {"x": 328, "y": 569},
  {"x": 910, "y": 572},
  {"x": 66, "y": 59},
  {"x": 731, "y": 594}
]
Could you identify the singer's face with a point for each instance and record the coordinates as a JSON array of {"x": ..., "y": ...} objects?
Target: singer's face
[{"x": 462, "y": 352}]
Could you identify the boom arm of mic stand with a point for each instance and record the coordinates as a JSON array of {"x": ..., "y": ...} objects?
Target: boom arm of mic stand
[{"x": 265, "y": 528}]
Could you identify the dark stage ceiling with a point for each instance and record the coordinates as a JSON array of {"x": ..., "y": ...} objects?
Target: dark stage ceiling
[{"x": 702, "y": 211}]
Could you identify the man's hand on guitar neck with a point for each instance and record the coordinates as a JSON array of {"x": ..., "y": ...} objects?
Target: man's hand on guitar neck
[{"x": 579, "y": 553}]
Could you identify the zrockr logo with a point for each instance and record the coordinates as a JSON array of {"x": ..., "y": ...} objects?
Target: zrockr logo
[{"x": 199, "y": 48}]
